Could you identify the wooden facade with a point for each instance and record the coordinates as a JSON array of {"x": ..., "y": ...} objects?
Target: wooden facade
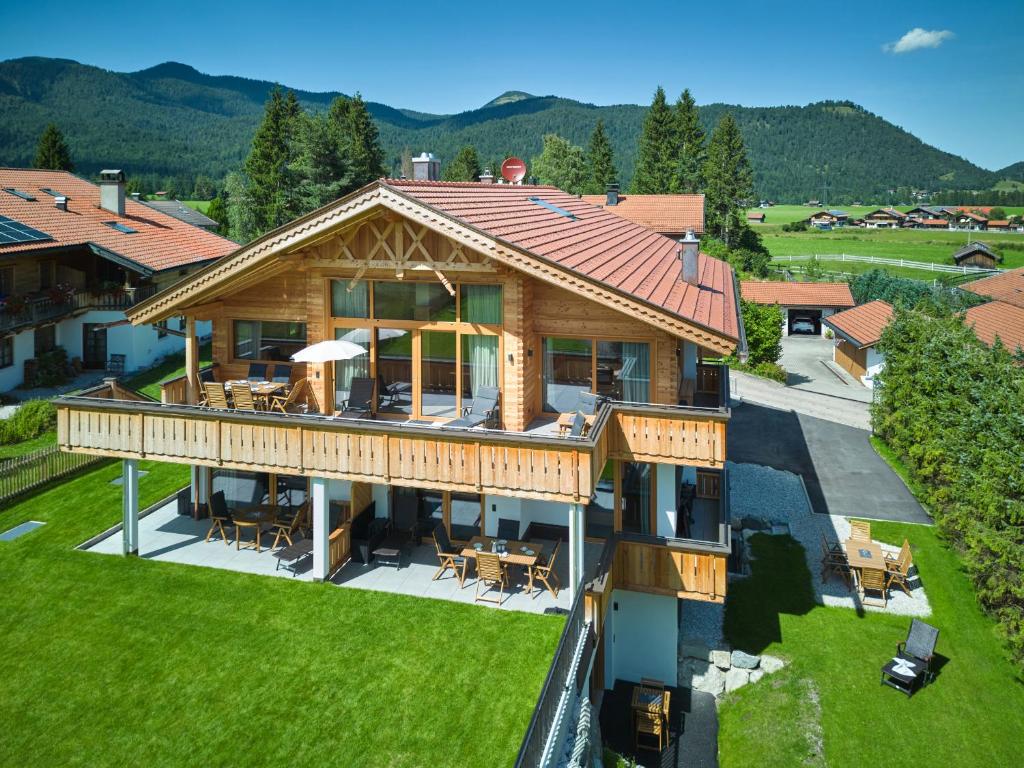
[{"x": 851, "y": 358}]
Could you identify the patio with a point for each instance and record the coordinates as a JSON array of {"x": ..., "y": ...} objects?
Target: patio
[{"x": 166, "y": 536}]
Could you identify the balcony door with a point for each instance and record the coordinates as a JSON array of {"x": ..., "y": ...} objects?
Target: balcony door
[{"x": 94, "y": 346}]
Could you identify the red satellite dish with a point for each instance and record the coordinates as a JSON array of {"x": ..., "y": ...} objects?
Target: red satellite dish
[{"x": 513, "y": 170}]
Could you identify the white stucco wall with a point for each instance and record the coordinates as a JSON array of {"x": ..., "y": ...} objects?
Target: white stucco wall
[
  {"x": 380, "y": 498},
  {"x": 24, "y": 348},
  {"x": 875, "y": 363},
  {"x": 501, "y": 506},
  {"x": 666, "y": 490},
  {"x": 645, "y": 636}
]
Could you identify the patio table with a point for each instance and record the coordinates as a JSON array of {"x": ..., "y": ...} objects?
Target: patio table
[
  {"x": 565, "y": 422},
  {"x": 253, "y": 517},
  {"x": 261, "y": 390},
  {"x": 514, "y": 554},
  {"x": 864, "y": 554}
]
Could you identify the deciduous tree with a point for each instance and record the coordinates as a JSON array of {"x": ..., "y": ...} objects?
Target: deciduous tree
[
  {"x": 464, "y": 167},
  {"x": 561, "y": 164}
]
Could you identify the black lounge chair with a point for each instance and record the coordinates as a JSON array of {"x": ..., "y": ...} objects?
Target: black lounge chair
[
  {"x": 257, "y": 372},
  {"x": 587, "y": 403},
  {"x": 395, "y": 391},
  {"x": 483, "y": 411},
  {"x": 359, "y": 404},
  {"x": 911, "y": 668}
]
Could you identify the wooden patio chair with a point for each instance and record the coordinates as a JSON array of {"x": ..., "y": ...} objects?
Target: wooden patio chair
[
  {"x": 897, "y": 570},
  {"x": 544, "y": 572},
  {"x": 490, "y": 572},
  {"x": 216, "y": 395},
  {"x": 450, "y": 557},
  {"x": 650, "y": 682},
  {"x": 873, "y": 580},
  {"x": 831, "y": 546},
  {"x": 860, "y": 530},
  {"x": 287, "y": 525},
  {"x": 835, "y": 562},
  {"x": 220, "y": 516},
  {"x": 241, "y": 394},
  {"x": 293, "y": 402},
  {"x": 648, "y": 725}
]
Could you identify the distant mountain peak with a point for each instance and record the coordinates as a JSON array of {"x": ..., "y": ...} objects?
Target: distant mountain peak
[
  {"x": 508, "y": 97},
  {"x": 171, "y": 69}
]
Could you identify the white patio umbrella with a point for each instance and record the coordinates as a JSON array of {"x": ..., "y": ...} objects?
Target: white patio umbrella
[
  {"x": 362, "y": 335},
  {"x": 326, "y": 351}
]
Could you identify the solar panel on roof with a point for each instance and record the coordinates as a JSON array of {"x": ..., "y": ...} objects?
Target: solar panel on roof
[
  {"x": 121, "y": 227},
  {"x": 12, "y": 231},
  {"x": 550, "y": 207},
  {"x": 19, "y": 193}
]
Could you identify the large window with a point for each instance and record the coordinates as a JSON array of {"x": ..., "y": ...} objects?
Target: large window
[
  {"x": 620, "y": 370},
  {"x": 479, "y": 364},
  {"x": 425, "y": 302},
  {"x": 466, "y": 518},
  {"x": 350, "y": 300},
  {"x": 637, "y": 495},
  {"x": 394, "y": 370},
  {"x": 600, "y": 512},
  {"x": 268, "y": 339},
  {"x": 481, "y": 304},
  {"x": 354, "y": 367},
  {"x": 438, "y": 373}
]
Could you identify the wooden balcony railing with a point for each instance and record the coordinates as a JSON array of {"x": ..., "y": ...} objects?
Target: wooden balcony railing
[{"x": 529, "y": 465}]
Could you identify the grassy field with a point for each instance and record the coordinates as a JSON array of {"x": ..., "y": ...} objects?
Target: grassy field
[
  {"x": 199, "y": 205},
  {"x": 148, "y": 382},
  {"x": 827, "y": 707},
  {"x": 783, "y": 214},
  {"x": 28, "y": 446},
  {"x": 112, "y": 661}
]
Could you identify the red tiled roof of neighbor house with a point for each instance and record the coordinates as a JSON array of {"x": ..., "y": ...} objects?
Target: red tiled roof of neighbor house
[
  {"x": 997, "y": 318},
  {"x": 1007, "y": 287},
  {"x": 755, "y": 217},
  {"x": 663, "y": 213},
  {"x": 797, "y": 294},
  {"x": 589, "y": 240},
  {"x": 934, "y": 222},
  {"x": 862, "y": 324},
  {"x": 972, "y": 215},
  {"x": 985, "y": 209},
  {"x": 159, "y": 242},
  {"x": 999, "y": 222}
]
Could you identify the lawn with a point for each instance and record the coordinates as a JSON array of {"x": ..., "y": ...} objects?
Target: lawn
[
  {"x": 118, "y": 661},
  {"x": 148, "y": 381},
  {"x": 200, "y": 205},
  {"x": 14, "y": 450},
  {"x": 827, "y": 707}
]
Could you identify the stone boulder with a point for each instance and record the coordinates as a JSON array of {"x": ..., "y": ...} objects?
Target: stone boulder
[
  {"x": 771, "y": 664},
  {"x": 721, "y": 659},
  {"x": 756, "y": 674},
  {"x": 736, "y": 678},
  {"x": 744, "y": 660},
  {"x": 701, "y": 676}
]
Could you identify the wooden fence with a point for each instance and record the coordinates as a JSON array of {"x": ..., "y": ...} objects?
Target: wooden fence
[{"x": 38, "y": 468}]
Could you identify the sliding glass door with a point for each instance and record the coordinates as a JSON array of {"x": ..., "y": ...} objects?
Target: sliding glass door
[
  {"x": 439, "y": 396},
  {"x": 567, "y": 372},
  {"x": 394, "y": 370},
  {"x": 618, "y": 370}
]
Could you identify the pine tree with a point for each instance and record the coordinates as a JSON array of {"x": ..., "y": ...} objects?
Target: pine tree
[
  {"x": 600, "y": 162},
  {"x": 52, "y": 153},
  {"x": 656, "y": 150},
  {"x": 359, "y": 140},
  {"x": 561, "y": 164},
  {"x": 690, "y": 143},
  {"x": 465, "y": 166},
  {"x": 270, "y": 192},
  {"x": 218, "y": 211},
  {"x": 728, "y": 182}
]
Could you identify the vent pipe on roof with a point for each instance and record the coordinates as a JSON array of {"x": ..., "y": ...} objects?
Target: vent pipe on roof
[
  {"x": 688, "y": 254},
  {"x": 60, "y": 202},
  {"x": 137, "y": 197},
  {"x": 112, "y": 191},
  {"x": 613, "y": 194},
  {"x": 487, "y": 177},
  {"x": 426, "y": 167}
]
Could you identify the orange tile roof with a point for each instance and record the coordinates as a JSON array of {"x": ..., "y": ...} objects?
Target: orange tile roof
[
  {"x": 999, "y": 222},
  {"x": 595, "y": 243},
  {"x": 934, "y": 222},
  {"x": 160, "y": 241},
  {"x": 1007, "y": 287},
  {"x": 663, "y": 213},
  {"x": 797, "y": 294},
  {"x": 863, "y": 324},
  {"x": 997, "y": 318}
]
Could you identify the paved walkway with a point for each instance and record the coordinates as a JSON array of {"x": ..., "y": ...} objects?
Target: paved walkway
[
  {"x": 753, "y": 389},
  {"x": 842, "y": 472},
  {"x": 808, "y": 363}
]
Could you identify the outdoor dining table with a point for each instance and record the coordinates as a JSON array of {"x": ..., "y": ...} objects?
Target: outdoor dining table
[
  {"x": 565, "y": 422},
  {"x": 254, "y": 517},
  {"x": 516, "y": 553},
  {"x": 864, "y": 554},
  {"x": 652, "y": 700},
  {"x": 261, "y": 390}
]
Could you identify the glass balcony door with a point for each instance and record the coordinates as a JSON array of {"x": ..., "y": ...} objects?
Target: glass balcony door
[{"x": 438, "y": 385}]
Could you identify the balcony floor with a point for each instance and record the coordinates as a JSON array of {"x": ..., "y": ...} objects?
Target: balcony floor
[{"x": 166, "y": 536}]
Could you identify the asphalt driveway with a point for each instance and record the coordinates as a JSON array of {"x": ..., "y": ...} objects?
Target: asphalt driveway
[
  {"x": 808, "y": 363},
  {"x": 842, "y": 472}
]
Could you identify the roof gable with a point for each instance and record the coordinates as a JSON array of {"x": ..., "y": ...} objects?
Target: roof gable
[
  {"x": 797, "y": 294},
  {"x": 997, "y": 319},
  {"x": 662, "y": 213},
  {"x": 863, "y": 325},
  {"x": 1008, "y": 287}
]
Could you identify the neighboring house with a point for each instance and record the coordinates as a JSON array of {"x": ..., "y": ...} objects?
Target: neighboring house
[
  {"x": 937, "y": 223},
  {"x": 1007, "y": 286},
  {"x": 1000, "y": 225},
  {"x": 970, "y": 220},
  {"x": 997, "y": 319},
  {"x": 922, "y": 213},
  {"x": 73, "y": 257},
  {"x": 457, "y": 292},
  {"x": 813, "y": 301},
  {"x": 181, "y": 212},
  {"x": 824, "y": 219},
  {"x": 669, "y": 215},
  {"x": 857, "y": 333},
  {"x": 757, "y": 217},
  {"x": 977, "y": 255},
  {"x": 884, "y": 218}
]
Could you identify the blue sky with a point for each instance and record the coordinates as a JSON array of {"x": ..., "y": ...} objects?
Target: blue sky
[{"x": 956, "y": 82}]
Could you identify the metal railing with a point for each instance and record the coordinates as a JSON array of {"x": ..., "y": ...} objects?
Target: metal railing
[
  {"x": 559, "y": 678},
  {"x": 39, "y": 309},
  {"x": 33, "y": 311},
  {"x": 25, "y": 473}
]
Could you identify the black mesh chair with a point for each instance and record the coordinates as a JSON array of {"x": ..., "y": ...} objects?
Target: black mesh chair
[
  {"x": 405, "y": 515},
  {"x": 359, "y": 404},
  {"x": 911, "y": 668},
  {"x": 282, "y": 374},
  {"x": 508, "y": 529},
  {"x": 482, "y": 412},
  {"x": 257, "y": 372},
  {"x": 220, "y": 516}
]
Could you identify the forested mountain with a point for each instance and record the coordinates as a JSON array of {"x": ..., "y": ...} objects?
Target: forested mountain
[{"x": 173, "y": 121}]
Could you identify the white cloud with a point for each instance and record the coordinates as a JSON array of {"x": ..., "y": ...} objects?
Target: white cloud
[{"x": 918, "y": 38}]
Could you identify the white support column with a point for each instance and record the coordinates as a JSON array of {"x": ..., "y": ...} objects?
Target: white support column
[
  {"x": 321, "y": 524},
  {"x": 200, "y": 484},
  {"x": 575, "y": 549},
  {"x": 130, "y": 506}
]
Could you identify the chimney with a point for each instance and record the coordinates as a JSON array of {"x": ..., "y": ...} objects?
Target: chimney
[
  {"x": 487, "y": 177},
  {"x": 613, "y": 194},
  {"x": 688, "y": 252},
  {"x": 60, "y": 202},
  {"x": 112, "y": 191},
  {"x": 426, "y": 167}
]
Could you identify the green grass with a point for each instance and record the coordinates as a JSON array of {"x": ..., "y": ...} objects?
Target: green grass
[
  {"x": 28, "y": 446},
  {"x": 148, "y": 382},
  {"x": 117, "y": 661},
  {"x": 784, "y": 214},
  {"x": 200, "y": 205},
  {"x": 827, "y": 707}
]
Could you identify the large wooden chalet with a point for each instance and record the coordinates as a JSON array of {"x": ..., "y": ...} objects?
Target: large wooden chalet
[{"x": 453, "y": 290}]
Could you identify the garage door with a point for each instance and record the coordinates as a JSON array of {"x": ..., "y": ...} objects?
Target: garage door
[{"x": 814, "y": 315}]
